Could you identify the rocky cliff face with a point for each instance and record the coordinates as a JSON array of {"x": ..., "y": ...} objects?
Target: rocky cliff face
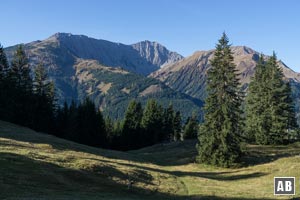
[{"x": 156, "y": 53}]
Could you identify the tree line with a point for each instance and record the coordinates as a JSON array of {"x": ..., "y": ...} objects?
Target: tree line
[
  {"x": 141, "y": 127},
  {"x": 28, "y": 98}
]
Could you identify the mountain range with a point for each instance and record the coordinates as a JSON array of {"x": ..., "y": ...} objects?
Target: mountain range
[
  {"x": 113, "y": 73},
  {"x": 109, "y": 73}
]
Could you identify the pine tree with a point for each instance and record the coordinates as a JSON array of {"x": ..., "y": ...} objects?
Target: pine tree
[
  {"x": 257, "y": 115},
  {"x": 168, "y": 126},
  {"x": 44, "y": 100},
  {"x": 290, "y": 113},
  {"x": 177, "y": 126},
  {"x": 219, "y": 138},
  {"x": 152, "y": 122},
  {"x": 132, "y": 126},
  {"x": 281, "y": 107},
  {"x": 20, "y": 88},
  {"x": 20, "y": 71}
]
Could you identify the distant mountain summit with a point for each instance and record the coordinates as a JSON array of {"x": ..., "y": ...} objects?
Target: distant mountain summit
[
  {"x": 156, "y": 53},
  {"x": 142, "y": 58}
]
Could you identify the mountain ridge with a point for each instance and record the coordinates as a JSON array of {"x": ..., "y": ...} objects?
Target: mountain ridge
[
  {"x": 109, "y": 73},
  {"x": 129, "y": 57}
]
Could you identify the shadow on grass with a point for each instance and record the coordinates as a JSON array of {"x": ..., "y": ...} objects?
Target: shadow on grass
[
  {"x": 25, "y": 178},
  {"x": 251, "y": 160},
  {"x": 220, "y": 176},
  {"x": 256, "y": 155}
]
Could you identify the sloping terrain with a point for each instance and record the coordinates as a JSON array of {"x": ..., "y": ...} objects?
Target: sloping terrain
[
  {"x": 39, "y": 166},
  {"x": 112, "y": 89}
]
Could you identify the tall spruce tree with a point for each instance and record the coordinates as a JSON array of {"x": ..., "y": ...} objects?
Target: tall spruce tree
[
  {"x": 219, "y": 138},
  {"x": 44, "y": 100},
  {"x": 290, "y": 113},
  {"x": 258, "y": 117},
  {"x": 277, "y": 102},
  {"x": 20, "y": 87},
  {"x": 20, "y": 71}
]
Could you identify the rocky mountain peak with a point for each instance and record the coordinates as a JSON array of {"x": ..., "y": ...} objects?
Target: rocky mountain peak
[{"x": 156, "y": 53}]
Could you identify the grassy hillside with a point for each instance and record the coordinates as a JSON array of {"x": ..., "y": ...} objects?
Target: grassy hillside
[{"x": 40, "y": 166}]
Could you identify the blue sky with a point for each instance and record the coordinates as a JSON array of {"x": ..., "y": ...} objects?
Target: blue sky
[{"x": 184, "y": 26}]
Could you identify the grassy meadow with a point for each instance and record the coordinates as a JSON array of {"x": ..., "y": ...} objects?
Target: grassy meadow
[{"x": 36, "y": 166}]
